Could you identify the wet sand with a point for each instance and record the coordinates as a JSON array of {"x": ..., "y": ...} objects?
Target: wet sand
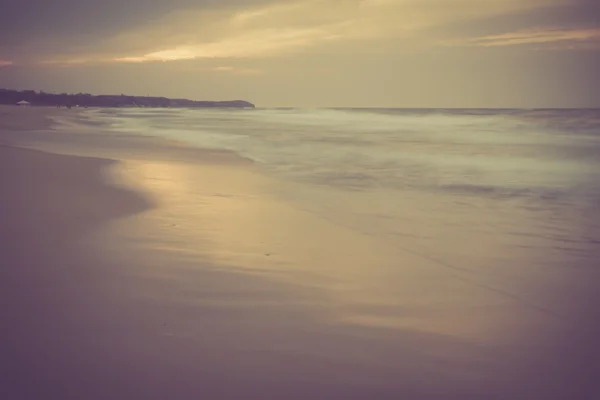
[{"x": 178, "y": 273}]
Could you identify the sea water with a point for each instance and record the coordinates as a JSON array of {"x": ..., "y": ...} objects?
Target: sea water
[
  {"x": 488, "y": 222},
  {"x": 504, "y": 153},
  {"x": 493, "y": 195}
]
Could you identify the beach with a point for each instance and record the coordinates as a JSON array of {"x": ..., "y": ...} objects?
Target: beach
[{"x": 143, "y": 267}]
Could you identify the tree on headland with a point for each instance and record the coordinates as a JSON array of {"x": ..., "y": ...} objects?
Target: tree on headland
[{"x": 8, "y": 96}]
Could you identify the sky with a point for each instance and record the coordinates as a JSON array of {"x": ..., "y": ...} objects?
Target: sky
[{"x": 310, "y": 53}]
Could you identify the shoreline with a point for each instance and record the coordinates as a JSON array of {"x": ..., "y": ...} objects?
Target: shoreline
[
  {"x": 34, "y": 128},
  {"x": 177, "y": 273}
]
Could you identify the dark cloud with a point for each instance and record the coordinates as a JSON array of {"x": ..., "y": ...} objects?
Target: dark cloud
[
  {"x": 578, "y": 14},
  {"x": 22, "y": 22}
]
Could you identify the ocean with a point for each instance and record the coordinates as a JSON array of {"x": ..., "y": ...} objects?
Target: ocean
[
  {"x": 365, "y": 253},
  {"x": 543, "y": 154},
  {"x": 496, "y": 197}
]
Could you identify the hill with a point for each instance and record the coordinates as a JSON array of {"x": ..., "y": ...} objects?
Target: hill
[{"x": 8, "y": 96}]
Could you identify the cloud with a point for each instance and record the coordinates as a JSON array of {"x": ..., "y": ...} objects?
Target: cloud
[
  {"x": 229, "y": 29},
  {"x": 552, "y": 24},
  {"x": 237, "y": 71},
  {"x": 5, "y": 63},
  {"x": 89, "y": 19},
  {"x": 537, "y": 37},
  {"x": 71, "y": 61},
  {"x": 259, "y": 43},
  {"x": 265, "y": 31},
  {"x": 276, "y": 29}
]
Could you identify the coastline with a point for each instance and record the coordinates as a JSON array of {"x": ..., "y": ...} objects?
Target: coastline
[
  {"x": 175, "y": 273},
  {"x": 31, "y": 97}
]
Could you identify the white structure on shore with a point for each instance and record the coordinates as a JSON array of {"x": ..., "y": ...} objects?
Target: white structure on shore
[{"x": 23, "y": 103}]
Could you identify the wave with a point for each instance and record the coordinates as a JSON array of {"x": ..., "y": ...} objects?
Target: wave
[{"x": 503, "y": 153}]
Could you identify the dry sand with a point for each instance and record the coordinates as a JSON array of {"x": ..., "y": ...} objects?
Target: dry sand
[{"x": 177, "y": 273}]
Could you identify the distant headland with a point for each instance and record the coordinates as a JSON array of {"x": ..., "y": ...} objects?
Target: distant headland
[{"x": 31, "y": 97}]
